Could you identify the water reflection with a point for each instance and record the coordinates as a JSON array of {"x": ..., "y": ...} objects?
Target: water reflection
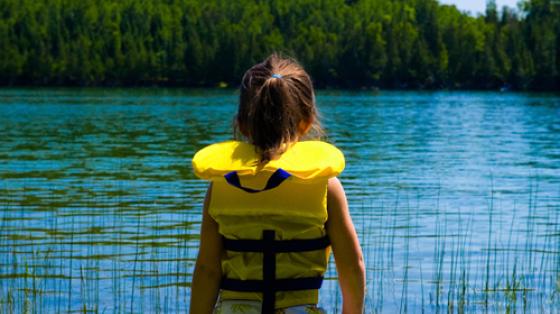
[{"x": 456, "y": 197}]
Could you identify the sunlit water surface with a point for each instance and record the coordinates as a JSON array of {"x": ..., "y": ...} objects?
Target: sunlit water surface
[{"x": 455, "y": 197}]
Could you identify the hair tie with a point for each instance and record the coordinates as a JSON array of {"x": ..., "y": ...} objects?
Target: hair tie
[{"x": 276, "y": 75}]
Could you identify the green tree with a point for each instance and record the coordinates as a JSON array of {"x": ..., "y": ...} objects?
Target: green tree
[{"x": 353, "y": 44}]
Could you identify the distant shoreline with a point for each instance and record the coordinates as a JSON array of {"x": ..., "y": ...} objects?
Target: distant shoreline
[
  {"x": 377, "y": 44},
  {"x": 233, "y": 88}
]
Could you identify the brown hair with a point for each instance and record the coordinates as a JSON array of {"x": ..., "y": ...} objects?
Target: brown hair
[{"x": 276, "y": 102}]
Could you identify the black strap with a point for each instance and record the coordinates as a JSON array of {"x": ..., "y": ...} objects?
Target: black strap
[
  {"x": 292, "y": 284},
  {"x": 275, "y": 180},
  {"x": 269, "y": 284},
  {"x": 281, "y": 246},
  {"x": 269, "y": 272}
]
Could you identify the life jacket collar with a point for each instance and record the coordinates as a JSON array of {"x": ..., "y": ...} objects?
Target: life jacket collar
[{"x": 307, "y": 160}]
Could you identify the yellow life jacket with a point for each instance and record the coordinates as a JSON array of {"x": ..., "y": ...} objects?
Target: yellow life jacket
[{"x": 284, "y": 200}]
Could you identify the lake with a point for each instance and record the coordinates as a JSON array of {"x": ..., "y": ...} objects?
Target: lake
[{"x": 455, "y": 197}]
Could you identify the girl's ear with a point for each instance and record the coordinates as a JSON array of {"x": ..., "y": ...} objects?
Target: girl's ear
[
  {"x": 238, "y": 127},
  {"x": 242, "y": 128},
  {"x": 304, "y": 127}
]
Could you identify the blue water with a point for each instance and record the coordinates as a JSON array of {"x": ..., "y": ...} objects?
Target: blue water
[{"x": 455, "y": 197}]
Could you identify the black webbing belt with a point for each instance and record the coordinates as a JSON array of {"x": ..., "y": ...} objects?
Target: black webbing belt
[{"x": 269, "y": 284}]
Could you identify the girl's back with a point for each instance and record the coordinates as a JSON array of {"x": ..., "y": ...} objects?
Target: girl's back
[{"x": 265, "y": 232}]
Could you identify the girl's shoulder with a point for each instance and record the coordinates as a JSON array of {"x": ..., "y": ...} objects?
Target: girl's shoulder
[{"x": 304, "y": 160}]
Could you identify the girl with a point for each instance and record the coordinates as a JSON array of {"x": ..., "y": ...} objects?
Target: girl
[{"x": 274, "y": 207}]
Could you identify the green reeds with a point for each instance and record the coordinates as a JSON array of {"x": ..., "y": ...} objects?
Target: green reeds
[{"x": 421, "y": 257}]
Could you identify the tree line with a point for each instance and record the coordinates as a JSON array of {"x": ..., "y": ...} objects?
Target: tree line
[{"x": 348, "y": 44}]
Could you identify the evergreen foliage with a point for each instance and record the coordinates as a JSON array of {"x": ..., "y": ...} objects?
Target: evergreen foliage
[{"x": 350, "y": 44}]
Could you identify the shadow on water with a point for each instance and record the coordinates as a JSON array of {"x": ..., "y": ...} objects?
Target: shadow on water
[{"x": 455, "y": 197}]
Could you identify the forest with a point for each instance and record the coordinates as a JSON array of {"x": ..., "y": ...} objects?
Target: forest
[{"x": 399, "y": 44}]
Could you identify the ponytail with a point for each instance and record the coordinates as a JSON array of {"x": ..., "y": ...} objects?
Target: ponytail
[{"x": 276, "y": 100}]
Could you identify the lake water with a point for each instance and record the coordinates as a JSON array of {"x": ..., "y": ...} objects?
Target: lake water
[{"x": 455, "y": 196}]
